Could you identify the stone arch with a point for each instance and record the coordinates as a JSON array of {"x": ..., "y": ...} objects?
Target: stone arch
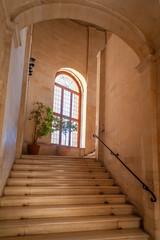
[{"x": 106, "y": 18}]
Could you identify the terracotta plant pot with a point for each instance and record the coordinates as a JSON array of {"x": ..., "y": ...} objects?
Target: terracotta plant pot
[
  {"x": 62, "y": 150},
  {"x": 33, "y": 149}
]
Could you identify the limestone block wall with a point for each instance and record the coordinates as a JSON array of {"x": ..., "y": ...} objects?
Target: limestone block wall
[
  {"x": 12, "y": 104},
  {"x": 157, "y": 215},
  {"x": 62, "y": 44},
  {"x": 5, "y": 45},
  {"x": 128, "y": 125}
]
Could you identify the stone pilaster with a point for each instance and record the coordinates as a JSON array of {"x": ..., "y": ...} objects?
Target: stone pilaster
[
  {"x": 23, "y": 94},
  {"x": 100, "y": 101},
  {"x": 149, "y": 71}
]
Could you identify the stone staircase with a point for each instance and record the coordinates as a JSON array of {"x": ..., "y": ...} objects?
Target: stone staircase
[{"x": 65, "y": 199}]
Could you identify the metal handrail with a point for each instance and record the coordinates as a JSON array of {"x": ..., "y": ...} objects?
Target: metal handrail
[{"x": 153, "y": 199}]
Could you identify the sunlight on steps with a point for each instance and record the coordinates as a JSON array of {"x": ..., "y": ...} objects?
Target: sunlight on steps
[{"x": 64, "y": 198}]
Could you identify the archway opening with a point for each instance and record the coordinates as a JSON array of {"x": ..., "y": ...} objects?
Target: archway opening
[{"x": 69, "y": 105}]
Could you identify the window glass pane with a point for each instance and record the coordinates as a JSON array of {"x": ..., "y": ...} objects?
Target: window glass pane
[
  {"x": 65, "y": 136},
  {"x": 66, "y": 103},
  {"x": 66, "y": 94},
  {"x": 57, "y": 99},
  {"x": 55, "y": 135},
  {"x": 67, "y": 82},
  {"x": 74, "y": 137},
  {"x": 75, "y": 106}
]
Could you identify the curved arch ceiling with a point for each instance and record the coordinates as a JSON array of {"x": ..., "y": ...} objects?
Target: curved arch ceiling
[{"x": 136, "y": 22}]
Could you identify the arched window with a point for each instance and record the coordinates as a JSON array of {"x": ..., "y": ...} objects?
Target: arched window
[{"x": 66, "y": 105}]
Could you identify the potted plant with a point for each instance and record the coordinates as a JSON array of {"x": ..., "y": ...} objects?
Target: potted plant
[
  {"x": 64, "y": 126},
  {"x": 43, "y": 119}
]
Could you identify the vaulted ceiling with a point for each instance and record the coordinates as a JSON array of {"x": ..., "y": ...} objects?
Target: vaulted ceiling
[{"x": 142, "y": 14}]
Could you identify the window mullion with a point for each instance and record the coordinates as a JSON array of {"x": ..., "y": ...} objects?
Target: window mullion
[
  {"x": 61, "y": 113},
  {"x": 70, "y": 117},
  {"x": 79, "y": 122}
]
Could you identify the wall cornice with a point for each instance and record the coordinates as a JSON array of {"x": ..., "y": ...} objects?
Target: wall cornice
[
  {"x": 150, "y": 58},
  {"x": 10, "y": 26}
]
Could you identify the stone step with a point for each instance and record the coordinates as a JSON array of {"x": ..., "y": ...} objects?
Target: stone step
[
  {"x": 52, "y": 174},
  {"x": 25, "y": 167},
  {"x": 36, "y": 200},
  {"x": 60, "y": 163},
  {"x": 51, "y": 157},
  {"x": 26, "y": 212},
  {"x": 67, "y": 224},
  {"x": 59, "y": 196},
  {"x": 60, "y": 159},
  {"x": 116, "y": 234},
  {"x": 53, "y": 182},
  {"x": 58, "y": 190}
]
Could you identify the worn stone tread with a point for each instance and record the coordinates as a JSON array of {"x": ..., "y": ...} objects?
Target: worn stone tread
[{"x": 123, "y": 234}]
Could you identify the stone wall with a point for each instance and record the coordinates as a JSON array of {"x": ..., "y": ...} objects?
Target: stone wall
[
  {"x": 12, "y": 104},
  {"x": 62, "y": 44},
  {"x": 128, "y": 125},
  {"x": 157, "y": 86},
  {"x": 5, "y": 45}
]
